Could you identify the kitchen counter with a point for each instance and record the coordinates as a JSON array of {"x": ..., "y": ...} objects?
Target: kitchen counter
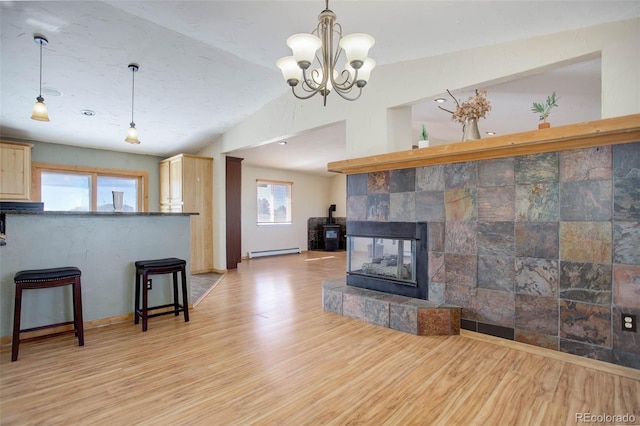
[
  {"x": 104, "y": 245},
  {"x": 65, "y": 213}
]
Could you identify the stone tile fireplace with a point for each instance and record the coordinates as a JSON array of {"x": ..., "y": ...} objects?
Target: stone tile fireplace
[{"x": 390, "y": 257}]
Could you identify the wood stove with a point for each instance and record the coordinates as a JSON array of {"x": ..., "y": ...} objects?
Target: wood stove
[
  {"x": 331, "y": 237},
  {"x": 391, "y": 257}
]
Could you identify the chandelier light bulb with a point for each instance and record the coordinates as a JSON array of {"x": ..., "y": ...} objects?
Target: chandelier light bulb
[
  {"x": 304, "y": 47},
  {"x": 290, "y": 70},
  {"x": 363, "y": 73},
  {"x": 356, "y": 47}
]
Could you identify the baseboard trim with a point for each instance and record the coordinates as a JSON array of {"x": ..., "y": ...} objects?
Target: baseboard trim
[
  {"x": 102, "y": 322},
  {"x": 595, "y": 364}
]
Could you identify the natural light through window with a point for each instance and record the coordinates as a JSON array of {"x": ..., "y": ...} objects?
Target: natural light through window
[
  {"x": 75, "y": 188},
  {"x": 274, "y": 202},
  {"x": 66, "y": 192}
]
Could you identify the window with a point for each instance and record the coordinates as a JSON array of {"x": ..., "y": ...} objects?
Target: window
[
  {"x": 74, "y": 188},
  {"x": 274, "y": 202}
]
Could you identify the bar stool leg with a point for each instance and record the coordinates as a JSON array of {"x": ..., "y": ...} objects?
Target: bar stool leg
[
  {"x": 15, "y": 341},
  {"x": 136, "y": 311},
  {"x": 145, "y": 301},
  {"x": 77, "y": 311},
  {"x": 176, "y": 305},
  {"x": 185, "y": 299}
]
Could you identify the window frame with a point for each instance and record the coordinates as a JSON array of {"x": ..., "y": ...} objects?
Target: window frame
[
  {"x": 94, "y": 172},
  {"x": 275, "y": 182}
]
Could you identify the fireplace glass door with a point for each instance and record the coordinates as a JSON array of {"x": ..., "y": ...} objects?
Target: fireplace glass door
[{"x": 382, "y": 258}]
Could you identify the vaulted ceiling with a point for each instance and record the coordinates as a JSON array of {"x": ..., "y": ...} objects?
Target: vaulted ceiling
[{"x": 207, "y": 65}]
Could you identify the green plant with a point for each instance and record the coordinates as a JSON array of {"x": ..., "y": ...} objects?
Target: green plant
[
  {"x": 424, "y": 135},
  {"x": 545, "y": 109}
]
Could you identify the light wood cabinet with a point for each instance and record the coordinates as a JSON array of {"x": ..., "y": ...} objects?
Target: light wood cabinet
[
  {"x": 186, "y": 185},
  {"x": 15, "y": 170}
]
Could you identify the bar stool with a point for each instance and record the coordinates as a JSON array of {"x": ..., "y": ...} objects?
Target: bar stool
[
  {"x": 171, "y": 265},
  {"x": 46, "y": 278}
]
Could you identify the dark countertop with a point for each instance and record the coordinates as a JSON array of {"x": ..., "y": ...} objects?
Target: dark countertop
[{"x": 67, "y": 213}]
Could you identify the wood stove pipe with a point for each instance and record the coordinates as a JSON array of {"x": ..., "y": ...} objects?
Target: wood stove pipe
[{"x": 332, "y": 208}]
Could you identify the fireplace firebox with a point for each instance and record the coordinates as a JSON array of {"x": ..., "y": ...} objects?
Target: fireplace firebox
[{"x": 390, "y": 257}]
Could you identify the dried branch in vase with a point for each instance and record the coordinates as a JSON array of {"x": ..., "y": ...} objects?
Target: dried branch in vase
[{"x": 475, "y": 107}]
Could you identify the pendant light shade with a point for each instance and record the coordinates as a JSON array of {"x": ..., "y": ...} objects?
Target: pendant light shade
[
  {"x": 132, "y": 134},
  {"x": 40, "y": 112}
]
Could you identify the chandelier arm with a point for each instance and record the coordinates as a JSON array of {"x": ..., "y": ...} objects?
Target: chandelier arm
[
  {"x": 346, "y": 86},
  {"x": 344, "y": 96},
  {"x": 311, "y": 95},
  {"x": 337, "y": 30},
  {"x": 327, "y": 47},
  {"x": 308, "y": 83}
]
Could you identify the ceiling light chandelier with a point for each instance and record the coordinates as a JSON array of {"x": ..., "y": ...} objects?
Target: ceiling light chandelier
[
  {"x": 40, "y": 112},
  {"x": 326, "y": 78},
  {"x": 132, "y": 134}
]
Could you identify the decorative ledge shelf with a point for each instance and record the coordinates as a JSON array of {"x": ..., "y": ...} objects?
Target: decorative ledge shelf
[{"x": 610, "y": 131}]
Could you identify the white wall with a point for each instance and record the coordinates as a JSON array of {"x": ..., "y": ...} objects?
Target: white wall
[
  {"x": 371, "y": 129},
  {"x": 338, "y": 194},
  {"x": 310, "y": 198}
]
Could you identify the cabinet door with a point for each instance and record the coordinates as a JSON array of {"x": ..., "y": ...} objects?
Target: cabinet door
[
  {"x": 197, "y": 197},
  {"x": 15, "y": 171},
  {"x": 165, "y": 192},
  {"x": 175, "y": 180}
]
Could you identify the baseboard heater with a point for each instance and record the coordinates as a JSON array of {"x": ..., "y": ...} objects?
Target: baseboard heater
[{"x": 263, "y": 253}]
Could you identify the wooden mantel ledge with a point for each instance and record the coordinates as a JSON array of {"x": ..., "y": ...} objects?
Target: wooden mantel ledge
[{"x": 609, "y": 131}]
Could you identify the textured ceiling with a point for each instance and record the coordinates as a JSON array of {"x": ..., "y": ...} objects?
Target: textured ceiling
[{"x": 207, "y": 65}]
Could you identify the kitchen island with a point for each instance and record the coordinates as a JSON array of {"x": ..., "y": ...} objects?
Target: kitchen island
[{"x": 104, "y": 245}]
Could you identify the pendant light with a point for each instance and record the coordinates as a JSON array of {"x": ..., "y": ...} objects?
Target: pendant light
[
  {"x": 40, "y": 112},
  {"x": 132, "y": 134}
]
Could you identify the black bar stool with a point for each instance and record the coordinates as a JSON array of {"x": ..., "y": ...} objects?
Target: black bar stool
[
  {"x": 45, "y": 278},
  {"x": 171, "y": 265}
]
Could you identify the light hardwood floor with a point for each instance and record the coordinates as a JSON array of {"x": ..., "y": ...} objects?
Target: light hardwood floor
[{"x": 259, "y": 349}]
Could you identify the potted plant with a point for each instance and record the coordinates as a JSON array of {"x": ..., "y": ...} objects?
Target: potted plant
[
  {"x": 545, "y": 109},
  {"x": 424, "y": 138}
]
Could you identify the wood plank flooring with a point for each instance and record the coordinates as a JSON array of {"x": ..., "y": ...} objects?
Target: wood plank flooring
[{"x": 259, "y": 350}]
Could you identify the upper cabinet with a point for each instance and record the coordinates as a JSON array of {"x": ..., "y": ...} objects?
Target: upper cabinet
[{"x": 15, "y": 170}]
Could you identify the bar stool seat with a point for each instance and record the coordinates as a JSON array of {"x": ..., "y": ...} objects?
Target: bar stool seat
[
  {"x": 144, "y": 268},
  {"x": 46, "y": 278}
]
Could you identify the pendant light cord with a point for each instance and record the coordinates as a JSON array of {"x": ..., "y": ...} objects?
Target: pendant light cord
[
  {"x": 40, "y": 95},
  {"x": 133, "y": 85}
]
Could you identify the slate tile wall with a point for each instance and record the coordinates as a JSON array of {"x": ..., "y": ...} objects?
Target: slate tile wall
[{"x": 544, "y": 248}]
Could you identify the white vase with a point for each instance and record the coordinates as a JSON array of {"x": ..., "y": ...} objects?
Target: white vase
[
  {"x": 423, "y": 143},
  {"x": 118, "y": 198}
]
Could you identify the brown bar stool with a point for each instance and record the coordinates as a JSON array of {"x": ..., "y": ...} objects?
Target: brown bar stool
[
  {"x": 45, "y": 278},
  {"x": 171, "y": 265}
]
